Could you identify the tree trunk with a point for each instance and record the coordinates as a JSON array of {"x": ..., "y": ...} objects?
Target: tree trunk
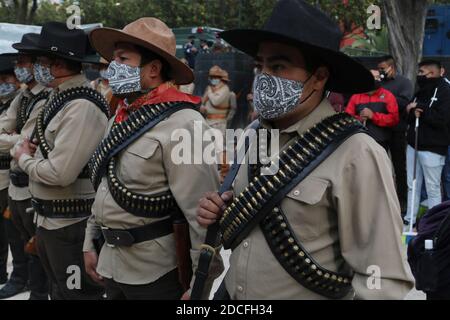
[{"x": 406, "y": 26}]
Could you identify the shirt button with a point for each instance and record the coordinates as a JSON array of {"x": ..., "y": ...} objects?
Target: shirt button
[
  {"x": 296, "y": 193},
  {"x": 240, "y": 289},
  {"x": 246, "y": 244}
]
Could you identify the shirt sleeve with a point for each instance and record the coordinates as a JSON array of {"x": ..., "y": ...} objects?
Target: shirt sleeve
[
  {"x": 8, "y": 120},
  {"x": 188, "y": 183},
  {"x": 351, "y": 107},
  {"x": 81, "y": 127},
  {"x": 370, "y": 226}
]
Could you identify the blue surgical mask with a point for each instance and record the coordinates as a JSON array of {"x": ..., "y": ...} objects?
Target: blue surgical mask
[
  {"x": 7, "y": 89},
  {"x": 214, "y": 82},
  {"x": 123, "y": 79},
  {"x": 43, "y": 75},
  {"x": 24, "y": 75}
]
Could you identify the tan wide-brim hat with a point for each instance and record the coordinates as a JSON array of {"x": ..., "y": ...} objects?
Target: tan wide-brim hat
[
  {"x": 225, "y": 76},
  {"x": 148, "y": 33}
]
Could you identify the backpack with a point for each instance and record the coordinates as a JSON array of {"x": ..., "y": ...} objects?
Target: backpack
[{"x": 431, "y": 268}]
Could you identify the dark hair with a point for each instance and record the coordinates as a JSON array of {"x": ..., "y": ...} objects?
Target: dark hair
[
  {"x": 431, "y": 62},
  {"x": 388, "y": 59},
  {"x": 148, "y": 56}
]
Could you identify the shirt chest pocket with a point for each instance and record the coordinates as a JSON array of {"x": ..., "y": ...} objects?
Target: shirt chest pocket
[
  {"x": 141, "y": 162},
  {"x": 307, "y": 208}
]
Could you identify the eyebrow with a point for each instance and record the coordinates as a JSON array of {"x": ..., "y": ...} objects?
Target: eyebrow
[{"x": 275, "y": 58}]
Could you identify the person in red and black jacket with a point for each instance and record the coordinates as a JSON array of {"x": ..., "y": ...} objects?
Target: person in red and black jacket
[{"x": 378, "y": 109}]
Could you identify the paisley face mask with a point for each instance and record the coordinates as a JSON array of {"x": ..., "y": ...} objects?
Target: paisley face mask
[
  {"x": 123, "y": 79},
  {"x": 104, "y": 74},
  {"x": 43, "y": 75},
  {"x": 274, "y": 97},
  {"x": 24, "y": 75},
  {"x": 7, "y": 89}
]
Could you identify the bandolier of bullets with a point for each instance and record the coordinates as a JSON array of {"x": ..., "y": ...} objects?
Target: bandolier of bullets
[
  {"x": 26, "y": 107},
  {"x": 156, "y": 206},
  {"x": 5, "y": 161},
  {"x": 122, "y": 132},
  {"x": 57, "y": 102},
  {"x": 69, "y": 208},
  {"x": 243, "y": 211}
]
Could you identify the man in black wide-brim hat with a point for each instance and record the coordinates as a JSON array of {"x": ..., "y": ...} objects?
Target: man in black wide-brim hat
[
  {"x": 67, "y": 132},
  {"x": 327, "y": 224},
  {"x": 18, "y": 123}
]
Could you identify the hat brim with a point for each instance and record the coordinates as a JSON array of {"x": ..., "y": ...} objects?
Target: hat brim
[
  {"x": 104, "y": 41},
  {"x": 45, "y": 52},
  {"x": 347, "y": 75}
]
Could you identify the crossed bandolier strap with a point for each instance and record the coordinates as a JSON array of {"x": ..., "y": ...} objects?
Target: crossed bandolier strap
[{"x": 245, "y": 209}]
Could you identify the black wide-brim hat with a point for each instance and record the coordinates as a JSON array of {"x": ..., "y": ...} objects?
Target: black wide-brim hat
[
  {"x": 57, "y": 40},
  {"x": 29, "y": 42},
  {"x": 297, "y": 23},
  {"x": 7, "y": 62}
]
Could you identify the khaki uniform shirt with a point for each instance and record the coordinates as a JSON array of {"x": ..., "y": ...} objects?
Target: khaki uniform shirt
[
  {"x": 147, "y": 167},
  {"x": 346, "y": 214},
  {"x": 4, "y": 174},
  {"x": 73, "y": 134},
  {"x": 9, "y": 137}
]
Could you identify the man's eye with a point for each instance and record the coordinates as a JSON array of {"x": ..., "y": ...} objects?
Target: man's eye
[{"x": 277, "y": 67}]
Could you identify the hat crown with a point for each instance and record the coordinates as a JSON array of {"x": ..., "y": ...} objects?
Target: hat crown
[
  {"x": 56, "y": 37},
  {"x": 298, "y": 19},
  {"x": 30, "y": 39},
  {"x": 153, "y": 31}
]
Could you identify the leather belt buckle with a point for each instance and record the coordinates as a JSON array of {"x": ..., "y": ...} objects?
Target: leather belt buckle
[{"x": 117, "y": 238}]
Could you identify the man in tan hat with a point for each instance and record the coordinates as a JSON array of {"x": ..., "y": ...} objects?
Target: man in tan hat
[
  {"x": 145, "y": 205},
  {"x": 68, "y": 130},
  {"x": 216, "y": 100},
  {"x": 319, "y": 218}
]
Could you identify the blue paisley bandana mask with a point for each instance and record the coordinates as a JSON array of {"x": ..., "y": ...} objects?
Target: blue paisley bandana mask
[
  {"x": 24, "y": 75},
  {"x": 7, "y": 89},
  {"x": 43, "y": 75},
  {"x": 123, "y": 79},
  {"x": 274, "y": 97}
]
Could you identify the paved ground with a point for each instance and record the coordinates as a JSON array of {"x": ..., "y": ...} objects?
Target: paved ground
[{"x": 413, "y": 295}]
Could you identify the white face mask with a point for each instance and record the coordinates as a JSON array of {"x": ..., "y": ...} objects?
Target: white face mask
[
  {"x": 274, "y": 97},
  {"x": 123, "y": 79},
  {"x": 24, "y": 75},
  {"x": 43, "y": 75},
  {"x": 7, "y": 89}
]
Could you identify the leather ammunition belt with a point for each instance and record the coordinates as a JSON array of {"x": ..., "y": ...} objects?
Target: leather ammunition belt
[
  {"x": 128, "y": 237},
  {"x": 26, "y": 107},
  {"x": 5, "y": 162},
  {"x": 124, "y": 133},
  {"x": 258, "y": 204},
  {"x": 63, "y": 209},
  {"x": 156, "y": 206},
  {"x": 19, "y": 178},
  {"x": 57, "y": 102}
]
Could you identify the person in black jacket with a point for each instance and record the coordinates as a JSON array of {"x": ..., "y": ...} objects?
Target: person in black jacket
[
  {"x": 403, "y": 90},
  {"x": 432, "y": 106},
  {"x": 446, "y": 171}
]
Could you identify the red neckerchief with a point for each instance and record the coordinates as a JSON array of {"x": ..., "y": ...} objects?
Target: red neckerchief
[{"x": 164, "y": 93}]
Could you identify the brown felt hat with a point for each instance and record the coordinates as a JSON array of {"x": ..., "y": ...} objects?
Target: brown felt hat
[{"x": 149, "y": 33}]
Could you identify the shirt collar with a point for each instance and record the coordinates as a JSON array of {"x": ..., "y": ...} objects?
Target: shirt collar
[
  {"x": 79, "y": 80},
  {"x": 38, "y": 88}
]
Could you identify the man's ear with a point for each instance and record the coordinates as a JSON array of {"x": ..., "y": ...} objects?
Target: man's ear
[
  {"x": 153, "y": 69},
  {"x": 320, "y": 77}
]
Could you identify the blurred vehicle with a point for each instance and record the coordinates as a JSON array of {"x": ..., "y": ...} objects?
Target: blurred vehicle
[{"x": 201, "y": 33}]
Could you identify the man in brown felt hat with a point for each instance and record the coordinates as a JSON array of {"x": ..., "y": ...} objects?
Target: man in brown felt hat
[
  {"x": 145, "y": 206},
  {"x": 55, "y": 158},
  {"x": 327, "y": 223}
]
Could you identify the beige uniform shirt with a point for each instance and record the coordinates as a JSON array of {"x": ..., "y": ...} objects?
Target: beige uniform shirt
[
  {"x": 9, "y": 136},
  {"x": 4, "y": 129},
  {"x": 147, "y": 167},
  {"x": 73, "y": 135},
  {"x": 346, "y": 214}
]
